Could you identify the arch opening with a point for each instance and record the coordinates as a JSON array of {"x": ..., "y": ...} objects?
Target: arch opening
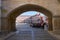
[
  {"x": 32, "y": 19},
  {"x": 28, "y": 7}
]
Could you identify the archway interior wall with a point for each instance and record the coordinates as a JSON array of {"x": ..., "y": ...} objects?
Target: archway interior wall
[{"x": 29, "y": 7}]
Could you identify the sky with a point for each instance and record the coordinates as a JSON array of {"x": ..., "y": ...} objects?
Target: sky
[{"x": 31, "y": 13}]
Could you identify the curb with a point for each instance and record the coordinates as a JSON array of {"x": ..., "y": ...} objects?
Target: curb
[
  {"x": 57, "y": 36},
  {"x": 9, "y": 35}
]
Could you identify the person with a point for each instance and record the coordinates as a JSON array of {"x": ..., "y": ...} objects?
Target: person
[
  {"x": 42, "y": 22},
  {"x": 46, "y": 24}
]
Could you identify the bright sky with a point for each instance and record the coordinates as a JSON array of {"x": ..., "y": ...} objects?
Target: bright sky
[{"x": 31, "y": 13}]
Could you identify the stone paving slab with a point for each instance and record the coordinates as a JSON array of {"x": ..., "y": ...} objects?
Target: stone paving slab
[{"x": 27, "y": 35}]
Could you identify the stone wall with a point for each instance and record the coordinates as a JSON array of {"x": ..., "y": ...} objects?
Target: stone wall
[
  {"x": 0, "y": 16},
  {"x": 52, "y": 5},
  {"x": 9, "y": 5},
  {"x": 6, "y": 26},
  {"x": 56, "y": 24},
  {"x": 0, "y": 24}
]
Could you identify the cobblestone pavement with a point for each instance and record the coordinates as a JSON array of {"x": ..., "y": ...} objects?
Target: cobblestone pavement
[{"x": 29, "y": 33}]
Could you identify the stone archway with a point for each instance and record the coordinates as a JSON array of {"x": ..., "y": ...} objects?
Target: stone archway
[{"x": 28, "y": 7}]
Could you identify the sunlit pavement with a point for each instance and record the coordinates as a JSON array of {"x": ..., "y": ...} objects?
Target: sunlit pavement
[{"x": 25, "y": 32}]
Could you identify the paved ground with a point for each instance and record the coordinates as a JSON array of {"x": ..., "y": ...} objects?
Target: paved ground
[{"x": 25, "y": 32}]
